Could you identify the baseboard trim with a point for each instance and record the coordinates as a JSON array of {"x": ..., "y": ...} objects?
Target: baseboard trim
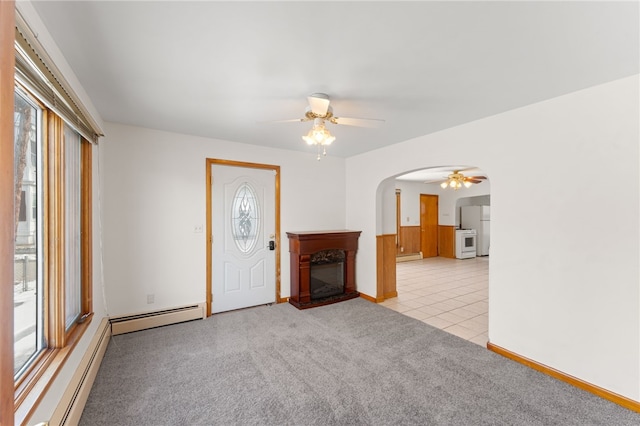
[
  {"x": 73, "y": 400},
  {"x": 408, "y": 257},
  {"x": 596, "y": 390},
  {"x": 131, "y": 323},
  {"x": 379, "y": 299},
  {"x": 371, "y": 298}
]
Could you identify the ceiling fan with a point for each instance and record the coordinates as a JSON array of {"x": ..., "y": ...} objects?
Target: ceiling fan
[
  {"x": 319, "y": 108},
  {"x": 320, "y": 111},
  {"x": 456, "y": 180}
]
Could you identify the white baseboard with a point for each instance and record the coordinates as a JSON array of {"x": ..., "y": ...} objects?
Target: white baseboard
[{"x": 131, "y": 323}]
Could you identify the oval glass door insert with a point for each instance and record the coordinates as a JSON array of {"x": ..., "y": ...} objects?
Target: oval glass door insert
[{"x": 245, "y": 217}]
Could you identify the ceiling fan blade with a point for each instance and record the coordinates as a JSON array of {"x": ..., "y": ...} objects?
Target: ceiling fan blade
[
  {"x": 360, "y": 122},
  {"x": 293, "y": 120},
  {"x": 472, "y": 180},
  {"x": 319, "y": 103},
  {"x": 477, "y": 177}
]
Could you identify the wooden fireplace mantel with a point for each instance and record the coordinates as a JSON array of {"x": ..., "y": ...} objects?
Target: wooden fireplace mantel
[{"x": 302, "y": 245}]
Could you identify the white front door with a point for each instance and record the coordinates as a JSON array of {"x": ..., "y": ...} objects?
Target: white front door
[{"x": 243, "y": 224}]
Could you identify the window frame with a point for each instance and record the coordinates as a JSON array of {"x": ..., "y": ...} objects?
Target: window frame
[
  {"x": 32, "y": 384},
  {"x": 41, "y": 236}
]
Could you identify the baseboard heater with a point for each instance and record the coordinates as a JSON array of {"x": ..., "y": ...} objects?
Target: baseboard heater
[
  {"x": 73, "y": 400},
  {"x": 131, "y": 323}
]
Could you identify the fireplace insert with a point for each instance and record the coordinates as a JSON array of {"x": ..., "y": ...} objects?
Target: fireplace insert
[{"x": 326, "y": 274}]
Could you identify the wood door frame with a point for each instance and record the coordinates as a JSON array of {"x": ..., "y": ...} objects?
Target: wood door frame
[
  {"x": 422, "y": 230},
  {"x": 209, "y": 237}
]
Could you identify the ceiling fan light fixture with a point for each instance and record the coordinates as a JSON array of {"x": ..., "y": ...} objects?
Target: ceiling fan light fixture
[
  {"x": 308, "y": 138},
  {"x": 320, "y": 111},
  {"x": 319, "y": 135},
  {"x": 457, "y": 180}
]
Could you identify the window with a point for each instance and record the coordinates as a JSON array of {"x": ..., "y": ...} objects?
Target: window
[
  {"x": 53, "y": 136},
  {"x": 28, "y": 282},
  {"x": 22, "y": 216},
  {"x": 72, "y": 187},
  {"x": 52, "y": 249}
]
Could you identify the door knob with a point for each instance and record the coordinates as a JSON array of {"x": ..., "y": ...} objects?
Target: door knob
[{"x": 272, "y": 245}]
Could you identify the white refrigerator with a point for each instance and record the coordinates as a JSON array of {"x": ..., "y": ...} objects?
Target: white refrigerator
[{"x": 478, "y": 218}]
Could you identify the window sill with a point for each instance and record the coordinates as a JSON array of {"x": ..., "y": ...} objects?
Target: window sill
[{"x": 35, "y": 385}]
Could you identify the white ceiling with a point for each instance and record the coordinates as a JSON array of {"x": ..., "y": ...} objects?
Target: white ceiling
[{"x": 223, "y": 69}]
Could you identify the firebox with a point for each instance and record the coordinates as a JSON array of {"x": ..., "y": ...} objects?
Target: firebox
[
  {"x": 322, "y": 267},
  {"x": 326, "y": 274}
]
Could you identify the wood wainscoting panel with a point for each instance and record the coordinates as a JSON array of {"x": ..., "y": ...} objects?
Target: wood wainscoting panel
[
  {"x": 385, "y": 267},
  {"x": 447, "y": 241},
  {"x": 389, "y": 285},
  {"x": 409, "y": 240}
]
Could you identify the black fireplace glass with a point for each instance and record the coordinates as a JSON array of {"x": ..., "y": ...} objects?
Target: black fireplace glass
[{"x": 326, "y": 274}]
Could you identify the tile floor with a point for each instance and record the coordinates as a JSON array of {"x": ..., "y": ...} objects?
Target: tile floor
[{"x": 450, "y": 294}]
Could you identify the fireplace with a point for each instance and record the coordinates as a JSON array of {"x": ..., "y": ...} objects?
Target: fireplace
[{"x": 322, "y": 267}]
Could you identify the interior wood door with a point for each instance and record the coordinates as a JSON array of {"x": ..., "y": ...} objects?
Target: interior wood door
[
  {"x": 243, "y": 227},
  {"x": 429, "y": 225}
]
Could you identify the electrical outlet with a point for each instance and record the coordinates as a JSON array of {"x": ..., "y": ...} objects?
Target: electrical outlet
[
  {"x": 197, "y": 229},
  {"x": 150, "y": 299}
]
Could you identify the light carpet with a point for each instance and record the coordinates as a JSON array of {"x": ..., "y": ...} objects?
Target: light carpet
[{"x": 350, "y": 363}]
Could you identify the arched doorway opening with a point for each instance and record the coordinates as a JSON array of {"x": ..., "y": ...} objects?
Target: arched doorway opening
[{"x": 442, "y": 288}]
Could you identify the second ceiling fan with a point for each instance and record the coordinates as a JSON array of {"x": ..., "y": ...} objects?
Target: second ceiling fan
[{"x": 457, "y": 180}]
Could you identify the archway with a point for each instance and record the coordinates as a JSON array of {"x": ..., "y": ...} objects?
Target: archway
[{"x": 443, "y": 291}]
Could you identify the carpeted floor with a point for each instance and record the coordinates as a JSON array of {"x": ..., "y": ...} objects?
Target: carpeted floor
[{"x": 351, "y": 363}]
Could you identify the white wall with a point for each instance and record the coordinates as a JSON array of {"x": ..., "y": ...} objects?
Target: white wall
[
  {"x": 155, "y": 194},
  {"x": 386, "y": 207},
  {"x": 410, "y": 200},
  {"x": 448, "y": 201},
  {"x": 569, "y": 297}
]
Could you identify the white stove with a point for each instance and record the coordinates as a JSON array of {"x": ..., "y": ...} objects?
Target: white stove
[{"x": 466, "y": 243}]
